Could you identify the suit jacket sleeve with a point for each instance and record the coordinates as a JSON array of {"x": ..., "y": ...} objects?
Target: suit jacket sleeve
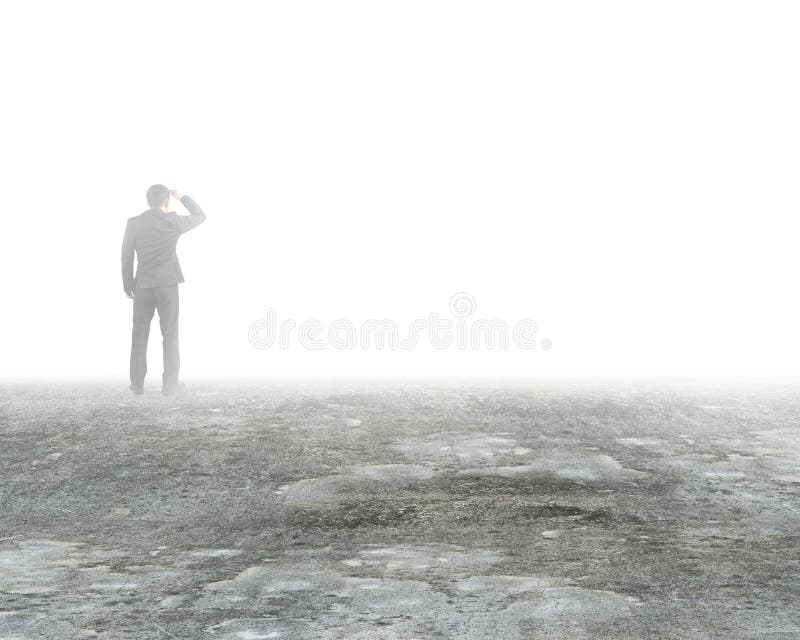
[
  {"x": 128, "y": 246},
  {"x": 196, "y": 215}
]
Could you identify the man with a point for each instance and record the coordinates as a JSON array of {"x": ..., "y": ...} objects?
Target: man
[{"x": 153, "y": 235}]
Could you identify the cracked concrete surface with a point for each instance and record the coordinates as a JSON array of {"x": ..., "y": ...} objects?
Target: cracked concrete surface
[{"x": 397, "y": 513}]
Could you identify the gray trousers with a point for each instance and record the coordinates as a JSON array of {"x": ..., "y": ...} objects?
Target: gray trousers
[{"x": 145, "y": 303}]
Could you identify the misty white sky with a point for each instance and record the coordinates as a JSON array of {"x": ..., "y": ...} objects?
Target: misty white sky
[{"x": 623, "y": 173}]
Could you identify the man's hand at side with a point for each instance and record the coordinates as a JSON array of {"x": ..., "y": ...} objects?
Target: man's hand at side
[
  {"x": 129, "y": 294},
  {"x": 128, "y": 251}
]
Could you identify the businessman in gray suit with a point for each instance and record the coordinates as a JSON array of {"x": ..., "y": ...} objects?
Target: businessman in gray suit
[{"x": 153, "y": 236}]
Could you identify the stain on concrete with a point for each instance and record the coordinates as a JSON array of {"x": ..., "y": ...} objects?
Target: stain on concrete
[{"x": 572, "y": 465}]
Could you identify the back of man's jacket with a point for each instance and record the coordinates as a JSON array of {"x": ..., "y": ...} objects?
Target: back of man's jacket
[{"x": 154, "y": 236}]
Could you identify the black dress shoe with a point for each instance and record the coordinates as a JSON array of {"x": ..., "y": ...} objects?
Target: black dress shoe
[
  {"x": 137, "y": 390},
  {"x": 173, "y": 389}
]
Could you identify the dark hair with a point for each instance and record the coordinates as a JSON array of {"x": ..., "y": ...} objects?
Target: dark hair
[{"x": 157, "y": 195}]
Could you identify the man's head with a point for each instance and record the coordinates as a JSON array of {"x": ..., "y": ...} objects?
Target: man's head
[{"x": 158, "y": 196}]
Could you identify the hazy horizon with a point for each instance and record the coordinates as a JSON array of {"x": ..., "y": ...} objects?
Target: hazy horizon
[{"x": 624, "y": 175}]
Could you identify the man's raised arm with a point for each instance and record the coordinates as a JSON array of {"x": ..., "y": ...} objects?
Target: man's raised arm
[
  {"x": 128, "y": 245},
  {"x": 196, "y": 214}
]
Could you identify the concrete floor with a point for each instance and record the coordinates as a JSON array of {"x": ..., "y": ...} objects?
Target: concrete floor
[{"x": 247, "y": 512}]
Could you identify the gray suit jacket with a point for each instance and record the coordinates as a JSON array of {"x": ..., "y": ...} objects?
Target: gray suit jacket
[{"x": 154, "y": 236}]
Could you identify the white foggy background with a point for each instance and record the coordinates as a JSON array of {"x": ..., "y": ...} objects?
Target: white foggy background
[{"x": 624, "y": 173}]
